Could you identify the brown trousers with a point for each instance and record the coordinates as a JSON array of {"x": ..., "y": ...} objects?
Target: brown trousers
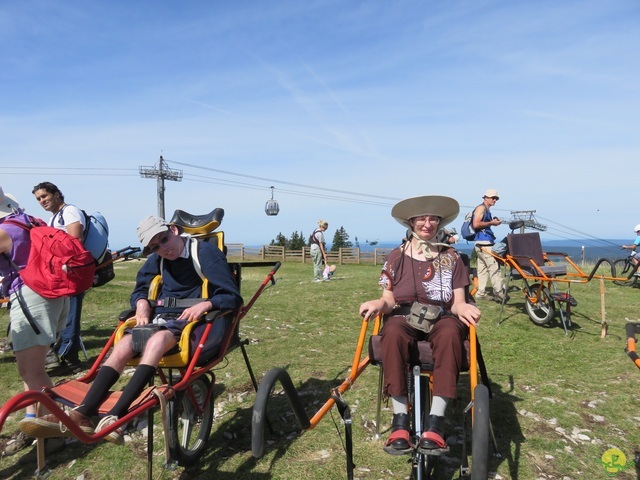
[{"x": 399, "y": 353}]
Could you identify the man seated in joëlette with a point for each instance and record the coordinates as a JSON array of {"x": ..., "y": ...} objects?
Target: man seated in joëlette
[{"x": 170, "y": 257}]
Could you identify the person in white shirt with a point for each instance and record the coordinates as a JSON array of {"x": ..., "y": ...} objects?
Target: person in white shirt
[{"x": 72, "y": 220}]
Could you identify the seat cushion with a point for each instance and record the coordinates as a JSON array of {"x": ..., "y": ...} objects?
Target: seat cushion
[
  {"x": 425, "y": 353},
  {"x": 181, "y": 354}
]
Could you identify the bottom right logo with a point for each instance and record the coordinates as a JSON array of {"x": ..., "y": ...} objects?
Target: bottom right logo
[{"x": 615, "y": 461}]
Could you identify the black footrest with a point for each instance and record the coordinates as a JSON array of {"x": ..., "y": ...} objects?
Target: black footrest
[{"x": 564, "y": 297}]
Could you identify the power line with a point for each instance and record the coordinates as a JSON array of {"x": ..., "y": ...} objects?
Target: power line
[
  {"x": 271, "y": 180},
  {"x": 203, "y": 179},
  {"x": 217, "y": 181},
  {"x": 74, "y": 169},
  {"x": 77, "y": 171}
]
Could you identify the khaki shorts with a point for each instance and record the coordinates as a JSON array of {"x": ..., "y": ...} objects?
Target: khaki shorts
[{"x": 50, "y": 315}]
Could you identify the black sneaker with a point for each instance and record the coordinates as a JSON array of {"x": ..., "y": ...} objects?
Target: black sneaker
[
  {"x": 66, "y": 367},
  {"x": 74, "y": 365}
]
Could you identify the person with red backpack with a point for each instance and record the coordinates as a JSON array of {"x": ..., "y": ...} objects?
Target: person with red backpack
[
  {"x": 34, "y": 320},
  {"x": 69, "y": 218}
]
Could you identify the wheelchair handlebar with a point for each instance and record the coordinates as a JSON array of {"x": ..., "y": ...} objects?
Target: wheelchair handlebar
[{"x": 273, "y": 271}]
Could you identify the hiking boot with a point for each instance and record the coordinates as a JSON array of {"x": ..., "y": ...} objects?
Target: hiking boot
[
  {"x": 14, "y": 445},
  {"x": 51, "y": 446},
  {"x": 49, "y": 425},
  {"x": 399, "y": 441},
  {"x": 433, "y": 438},
  {"x": 480, "y": 296},
  {"x": 117, "y": 436}
]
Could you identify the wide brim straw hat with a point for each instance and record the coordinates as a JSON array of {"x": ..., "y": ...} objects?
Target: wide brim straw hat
[
  {"x": 8, "y": 204},
  {"x": 446, "y": 208}
]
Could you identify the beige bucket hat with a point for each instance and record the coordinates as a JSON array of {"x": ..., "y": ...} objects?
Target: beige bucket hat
[{"x": 444, "y": 207}]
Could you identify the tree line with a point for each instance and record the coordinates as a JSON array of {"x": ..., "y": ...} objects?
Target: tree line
[{"x": 299, "y": 240}]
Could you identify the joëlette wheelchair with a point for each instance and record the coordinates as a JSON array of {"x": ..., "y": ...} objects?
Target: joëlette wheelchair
[
  {"x": 541, "y": 273},
  {"x": 420, "y": 383},
  {"x": 184, "y": 392},
  {"x": 420, "y": 388}
]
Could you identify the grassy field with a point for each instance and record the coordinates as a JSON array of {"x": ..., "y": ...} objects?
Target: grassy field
[{"x": 560, "y": 401}]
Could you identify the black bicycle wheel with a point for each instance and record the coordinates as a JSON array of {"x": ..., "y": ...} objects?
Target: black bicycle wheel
[
  {"x": 542, "y": 311},
  {"x": 190, "y": 421},
  {"x": 480, "y": 434},
  {"x": 622, "y": 268}
]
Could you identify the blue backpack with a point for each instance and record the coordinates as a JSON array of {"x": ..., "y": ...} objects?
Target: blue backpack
[
  {"x": 467, "y": 231},
  {"x": 96, "y": 235}
]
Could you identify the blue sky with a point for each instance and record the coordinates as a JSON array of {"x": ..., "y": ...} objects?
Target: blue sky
[{"x": 344, "y": 107}]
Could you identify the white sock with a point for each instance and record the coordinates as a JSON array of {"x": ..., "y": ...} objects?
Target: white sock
[
  {"x": 438, "y": 406},
  {"x": 399, "y": 404}
]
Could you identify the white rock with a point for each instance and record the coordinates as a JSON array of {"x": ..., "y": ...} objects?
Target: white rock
[{"x": 324, "y": 454}]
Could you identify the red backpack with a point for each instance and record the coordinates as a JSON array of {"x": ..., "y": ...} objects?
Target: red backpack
[{"x": 58, "y": 265}]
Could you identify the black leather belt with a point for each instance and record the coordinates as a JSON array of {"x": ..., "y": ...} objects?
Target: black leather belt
[{"x": 173, "y": 302}]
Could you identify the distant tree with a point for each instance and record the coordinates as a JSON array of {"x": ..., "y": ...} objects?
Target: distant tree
[
  {"x": 296, "y": 242},
  {"x": 357, "y": 244},
  {"x": 280, "y": 241},
  {"x": 340, "y": 240}
]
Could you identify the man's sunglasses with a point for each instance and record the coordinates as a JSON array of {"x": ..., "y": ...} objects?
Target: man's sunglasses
[{"x": 163, "y": 241}]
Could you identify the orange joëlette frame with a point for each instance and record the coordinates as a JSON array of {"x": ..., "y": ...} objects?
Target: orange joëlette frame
[
  {"x": 632, "y": 329},
  {"x": 359, "y": 364}
]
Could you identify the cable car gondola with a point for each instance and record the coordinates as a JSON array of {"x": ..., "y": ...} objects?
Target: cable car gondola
[{"x": 272, "y": 208}]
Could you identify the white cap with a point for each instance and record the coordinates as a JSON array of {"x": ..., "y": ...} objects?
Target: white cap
[
  {"x": 149, "y": 228},
  {"x": 8, "y": 204}
]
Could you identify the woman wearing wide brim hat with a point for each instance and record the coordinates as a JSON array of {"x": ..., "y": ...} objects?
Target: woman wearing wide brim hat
[
  {"x": 30, "y": 342},
  {"x": 434, "y": 275}
]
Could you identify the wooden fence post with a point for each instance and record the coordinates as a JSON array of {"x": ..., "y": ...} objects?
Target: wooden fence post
[{"x": 602, "y": 310}]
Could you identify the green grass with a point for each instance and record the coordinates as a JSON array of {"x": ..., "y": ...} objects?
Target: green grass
[{"x": 560, "y": 401}]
